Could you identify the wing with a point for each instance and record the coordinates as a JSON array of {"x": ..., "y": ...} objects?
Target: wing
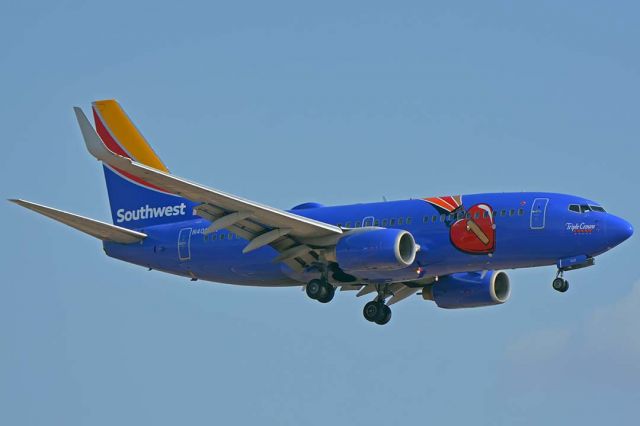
[
  {"x": 95, "y": 228},
  {"x": 292, "y": 235}
]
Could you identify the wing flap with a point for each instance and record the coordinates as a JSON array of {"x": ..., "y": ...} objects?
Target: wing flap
[
  {"x": 402, "y": 293},
  {"x": 95, "y": 228}
]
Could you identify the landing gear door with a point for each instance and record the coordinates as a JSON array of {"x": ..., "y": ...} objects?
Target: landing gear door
[
  {"x": 184, "y": 244},
  {"x": 539, "y": 213}
]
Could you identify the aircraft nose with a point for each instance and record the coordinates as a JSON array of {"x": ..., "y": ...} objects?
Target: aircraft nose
[{"x": 619, "y": 229}]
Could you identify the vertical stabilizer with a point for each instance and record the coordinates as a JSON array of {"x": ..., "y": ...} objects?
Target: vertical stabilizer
[{"x": 134, "y": 202}]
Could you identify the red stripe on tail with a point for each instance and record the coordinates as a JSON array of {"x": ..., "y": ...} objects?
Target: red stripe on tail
[{"x": 115, "y": 147}]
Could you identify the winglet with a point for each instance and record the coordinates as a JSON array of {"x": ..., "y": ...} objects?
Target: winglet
[{"x": 94, "y": 144}]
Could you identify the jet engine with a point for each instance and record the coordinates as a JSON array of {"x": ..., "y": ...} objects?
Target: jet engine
[
  {"x": 375, "y": 249},
  {"x": 469, "y": 290}
]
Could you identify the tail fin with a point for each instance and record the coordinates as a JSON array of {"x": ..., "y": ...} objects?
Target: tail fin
[{"x": 134, "y": 202}]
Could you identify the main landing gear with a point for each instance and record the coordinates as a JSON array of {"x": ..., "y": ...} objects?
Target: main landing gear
[
  {"x": 560, "y": 284},
  {"x": 320, "y": 290},
  {"x": 376, "y": 310}
]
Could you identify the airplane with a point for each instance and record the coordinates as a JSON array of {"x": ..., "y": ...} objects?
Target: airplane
[{"x": 451, "y": 250}]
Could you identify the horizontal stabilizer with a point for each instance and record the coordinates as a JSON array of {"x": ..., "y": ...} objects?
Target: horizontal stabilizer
[{"x": 95, "y": 228}]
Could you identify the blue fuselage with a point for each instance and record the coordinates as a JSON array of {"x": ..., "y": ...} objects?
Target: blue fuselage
[{"x": 526, "y": 229}]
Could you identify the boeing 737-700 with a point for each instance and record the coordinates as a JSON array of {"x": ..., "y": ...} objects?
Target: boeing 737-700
[{"x": 451, "y": 250}]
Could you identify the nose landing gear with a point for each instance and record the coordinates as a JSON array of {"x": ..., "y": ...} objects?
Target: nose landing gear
[{"x": 559, "y": 283}]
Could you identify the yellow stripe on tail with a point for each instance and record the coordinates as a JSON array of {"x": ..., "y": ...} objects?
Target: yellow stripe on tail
[{"x": 126, "y": 134}]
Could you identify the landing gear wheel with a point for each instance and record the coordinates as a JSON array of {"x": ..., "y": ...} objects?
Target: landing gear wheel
[
  {"x": 560, "y": 284},
  {"x": 315, "y": 289},
  {"x": 329, "y": 292},
  {"x": 386, "y": 316},
  {"x": 376, "y": 312},
  {"x": 320, "y": 290}
]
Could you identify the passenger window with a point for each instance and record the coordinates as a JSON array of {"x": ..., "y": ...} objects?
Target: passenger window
[
  {"x": 214, "y": 236},
  {"x": 222, "y": 236},
  {"x": 392, "y": 222},
  {"x": 347, "y": 225},
  {"x": 400, "y": 221},
  {"x": 206, "y": 237},
  {"x": 512, "y": 212},
  {"x": 442, "y": 217},
  {"x": 384, "y": 222},
  {"x": 356, "y": 224},
  {"x": 451, "y": 216},
  {"x": 460, "y": 215},
  {"x": 376, "y": 222},
  {"x": 520, "y": 212},
  {"x": 468, "y": 215},
  {"x": 408, "y": 221},
  {"x": 425, "y": 219},
  {"x": 485, "y": 214},
  {"x": 477, "y": 215},
  {"x": 434, "y": 218},
  {"x": 339, "y": 225},
  {"x": 503, "y": 212}
]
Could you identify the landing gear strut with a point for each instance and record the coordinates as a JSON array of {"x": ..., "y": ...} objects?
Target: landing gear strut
[
  {"x": 320, "y": 290},
  {"x": 376, "y": 310},
  {"x": 560, "y": 284}
]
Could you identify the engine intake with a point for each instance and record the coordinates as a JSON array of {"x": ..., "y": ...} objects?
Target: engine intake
[
  {"x": 469, "y": 290},
  {"x": 376, "y": 249}
]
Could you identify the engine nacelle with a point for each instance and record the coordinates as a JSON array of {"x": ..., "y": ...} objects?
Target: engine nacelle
[
  {"x": 376, "y": 249},
  {"x": 469, "y": 290}
]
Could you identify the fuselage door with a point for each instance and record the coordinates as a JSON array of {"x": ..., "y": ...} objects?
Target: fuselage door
[
  {"x": 184, "y": 244},
  {"x": 538, "y": 213}
]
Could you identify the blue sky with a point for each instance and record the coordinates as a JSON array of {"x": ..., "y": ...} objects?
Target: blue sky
[{"x": 334, "y": 102}]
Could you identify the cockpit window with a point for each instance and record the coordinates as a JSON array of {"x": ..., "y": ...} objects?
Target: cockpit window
[{"x": 583, "y": 208}]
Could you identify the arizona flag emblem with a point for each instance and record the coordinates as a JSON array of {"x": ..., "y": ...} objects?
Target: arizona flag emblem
[{"x": 449, "y": 203}]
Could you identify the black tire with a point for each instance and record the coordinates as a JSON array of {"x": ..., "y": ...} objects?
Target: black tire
[
  {"x": 559, "y": 285},
  {"x": 565, "y": 287},
  {"x": 315, "y": 289},
  {"x": 373, "y": 311},
  {"x": 386, "y": 317},
  {"x": 329, "y": 292}
]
